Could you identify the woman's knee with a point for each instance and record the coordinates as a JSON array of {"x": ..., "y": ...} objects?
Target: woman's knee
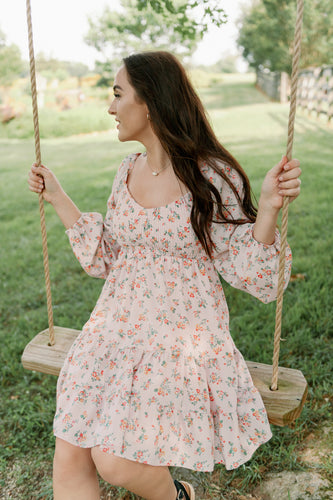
[
  {"x": 114, "y": 470},
  {"x": 70, "y": 460}
]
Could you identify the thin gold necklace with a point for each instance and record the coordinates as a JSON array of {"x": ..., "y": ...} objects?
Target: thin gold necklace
[{"x": 155, "y": 172}]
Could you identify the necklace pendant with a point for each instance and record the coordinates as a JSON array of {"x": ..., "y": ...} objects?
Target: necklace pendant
[{"x": 155, "y": 173}]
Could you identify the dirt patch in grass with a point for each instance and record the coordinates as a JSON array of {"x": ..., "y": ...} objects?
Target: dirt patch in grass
[
  {"x": 293, "y": 486},
  {"x": 317, "y": 447}
]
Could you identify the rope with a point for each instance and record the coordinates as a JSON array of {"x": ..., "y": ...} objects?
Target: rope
[
  {"x": 284, "y": 223},
  {"x": 39, "y": 161}
]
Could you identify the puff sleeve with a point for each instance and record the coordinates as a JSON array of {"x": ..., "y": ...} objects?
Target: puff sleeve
[
  {"x": 92, "y": 238},
  {"x": 238, "y": 257}
]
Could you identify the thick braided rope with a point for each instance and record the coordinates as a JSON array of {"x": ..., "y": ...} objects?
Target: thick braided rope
[
  {"x": 284, "y": 222},
  {"x": 39, "y": 161}
]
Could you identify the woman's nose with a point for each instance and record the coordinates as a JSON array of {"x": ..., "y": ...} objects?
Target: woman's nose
[{"x": 111, "y": 109}]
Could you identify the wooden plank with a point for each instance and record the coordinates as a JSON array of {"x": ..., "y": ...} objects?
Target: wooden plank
[
  {"x": 283, "y": 406},
  {"x": 40, "y": 356}
]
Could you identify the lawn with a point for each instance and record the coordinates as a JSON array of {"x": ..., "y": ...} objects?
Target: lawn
[{"x": 254, "y": 130}]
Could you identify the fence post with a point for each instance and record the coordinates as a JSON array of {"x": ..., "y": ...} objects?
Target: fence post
[
  {"x": 274, "y": 84},
  {"x": 284, "y": 87}
]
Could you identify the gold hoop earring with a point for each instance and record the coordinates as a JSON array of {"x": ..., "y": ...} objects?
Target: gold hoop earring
[{"x": 148, "y": 116}]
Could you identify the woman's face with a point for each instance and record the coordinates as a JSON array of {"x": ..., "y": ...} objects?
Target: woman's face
[{"x": 129, "y": 111}]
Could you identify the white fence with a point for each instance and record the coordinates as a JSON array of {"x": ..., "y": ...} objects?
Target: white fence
[{"x": 314, "y": 91}]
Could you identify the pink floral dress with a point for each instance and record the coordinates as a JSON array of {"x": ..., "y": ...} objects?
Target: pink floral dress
[{"x": 154, "y": 376}]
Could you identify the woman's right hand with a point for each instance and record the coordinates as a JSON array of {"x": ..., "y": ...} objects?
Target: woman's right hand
[{"x": 42, "y": 180}]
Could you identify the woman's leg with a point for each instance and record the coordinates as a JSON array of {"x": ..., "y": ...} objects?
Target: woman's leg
[
  {"x": 74, "y": 473},
  {"x": 148, "y": 481}
]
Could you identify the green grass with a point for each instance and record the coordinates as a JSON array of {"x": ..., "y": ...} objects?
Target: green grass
[
  {"x": 254, "y": 130},
  {"x": 53, "y": 123}
]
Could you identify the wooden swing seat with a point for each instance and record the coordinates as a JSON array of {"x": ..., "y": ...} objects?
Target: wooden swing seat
[{"x": 283, "y": 406}]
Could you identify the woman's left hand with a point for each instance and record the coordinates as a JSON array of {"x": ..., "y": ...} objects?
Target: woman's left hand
[{"x": 282, "y": 180}]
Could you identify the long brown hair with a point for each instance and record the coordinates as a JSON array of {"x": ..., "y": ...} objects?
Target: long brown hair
[{"x": 179, "y": 120}]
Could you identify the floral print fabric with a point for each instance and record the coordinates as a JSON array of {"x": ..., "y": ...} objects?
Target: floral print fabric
[{"x": 154, "y": 376}]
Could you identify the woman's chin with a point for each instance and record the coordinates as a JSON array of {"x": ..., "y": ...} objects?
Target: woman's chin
[
  {"x": 124, "y": 138},
  {"x": 121, "y": 137}
]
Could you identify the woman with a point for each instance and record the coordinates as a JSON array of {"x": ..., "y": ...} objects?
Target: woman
[{"x": 154, "y": 379}]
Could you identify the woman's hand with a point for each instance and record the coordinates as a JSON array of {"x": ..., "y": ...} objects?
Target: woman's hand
[
  {"x": 282, "y": 180},
  {"x": 42, "y": 180}
]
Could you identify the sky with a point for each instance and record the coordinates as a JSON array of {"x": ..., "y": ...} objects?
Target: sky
[{"x": 60, "y": 25}]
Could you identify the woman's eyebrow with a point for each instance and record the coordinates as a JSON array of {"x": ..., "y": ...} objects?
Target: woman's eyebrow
[{"x": 117, "y": 87}]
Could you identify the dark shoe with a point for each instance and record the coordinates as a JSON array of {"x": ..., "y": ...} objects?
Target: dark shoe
[{"x": 185, "y": 491}]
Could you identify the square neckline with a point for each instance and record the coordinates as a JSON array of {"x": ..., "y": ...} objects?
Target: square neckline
[{"x": 130, "y": 167}]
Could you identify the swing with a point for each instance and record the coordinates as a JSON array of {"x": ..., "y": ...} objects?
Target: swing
[{"x": 283, "y": 390}]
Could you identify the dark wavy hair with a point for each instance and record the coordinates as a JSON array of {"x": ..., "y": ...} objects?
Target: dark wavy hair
[{"x": 179, "y": 120}]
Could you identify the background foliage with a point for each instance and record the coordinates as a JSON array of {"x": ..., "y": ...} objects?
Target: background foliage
[
  {"x": 267, "y": 32},
  {"x": 11, "y": 64},
  {"x": 143, "y": 25}
]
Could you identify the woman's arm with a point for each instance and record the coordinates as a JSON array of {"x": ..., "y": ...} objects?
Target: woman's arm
[
  {"x": 282, "y": 180},
  {"x": 42, "y": 180}
]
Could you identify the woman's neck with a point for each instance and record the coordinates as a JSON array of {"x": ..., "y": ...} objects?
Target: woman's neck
[{"x": 157, "y": 157}]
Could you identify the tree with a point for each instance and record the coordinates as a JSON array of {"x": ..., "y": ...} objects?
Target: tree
[
  {"x": 76, "y": 69},
  {"x": 150, "y": 24},
  {"x": 317, "y": 45},
  {"x": 187, "y": 26},
  {"x": 267, "y": 33},
  {"x": 11, "y": 64},
  {"x": 227, "y": 64},
  {"x": 50, "y": 67},
  {"x": 54, "y": 68}
]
